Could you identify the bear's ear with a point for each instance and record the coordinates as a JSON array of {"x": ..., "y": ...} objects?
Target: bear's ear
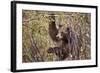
[{"x": 68, "y": 29}]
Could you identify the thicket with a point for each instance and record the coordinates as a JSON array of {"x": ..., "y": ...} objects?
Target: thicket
[{"x": 36, "y": 39}]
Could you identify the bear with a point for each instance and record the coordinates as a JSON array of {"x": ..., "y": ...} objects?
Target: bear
[
  {"x": 66, "y": 40},
  {"x": 70, "y": 42},
  {"x": 69, "y": 48}
]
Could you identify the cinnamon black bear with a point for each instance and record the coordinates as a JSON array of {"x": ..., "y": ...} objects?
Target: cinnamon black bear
[
  {"x": 66, "y": 39},
  {"x": 70, "y": 42},
  {"x": 69, "y": 47}
]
